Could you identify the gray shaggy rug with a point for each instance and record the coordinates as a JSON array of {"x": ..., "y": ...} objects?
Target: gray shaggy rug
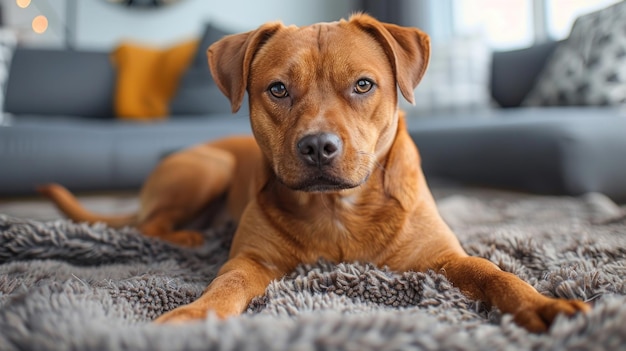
[{"x": 79, "y": 287}]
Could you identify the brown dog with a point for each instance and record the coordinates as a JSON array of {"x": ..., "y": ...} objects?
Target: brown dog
[{"x": 333, "y": 173}]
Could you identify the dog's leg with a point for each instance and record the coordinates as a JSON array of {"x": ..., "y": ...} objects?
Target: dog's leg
[
  {"x": 483, "y": 280},
  {"x": 179, "y": 188},
  {"x": 161, "y": 225},
  {"x": 237, "y": 283}
]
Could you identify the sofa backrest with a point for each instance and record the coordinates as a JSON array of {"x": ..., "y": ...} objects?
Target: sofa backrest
[
  {"x": 513, "y": 73},
  {"x": 60, "y": 82}
]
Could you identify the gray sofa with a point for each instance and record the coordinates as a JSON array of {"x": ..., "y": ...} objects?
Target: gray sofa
[{"x": 63, "y": 130}]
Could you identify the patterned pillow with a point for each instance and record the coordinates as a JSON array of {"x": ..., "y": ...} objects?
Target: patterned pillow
[
  {"x": 589, "y": 68},
  {"x": 7, "y": 46},
  {"x": 457, "y": 78}
]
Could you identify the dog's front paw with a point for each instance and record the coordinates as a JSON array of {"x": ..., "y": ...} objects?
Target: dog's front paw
[
  {"x": 537, "y": 317},
  {"x": 183, "y": 314}
]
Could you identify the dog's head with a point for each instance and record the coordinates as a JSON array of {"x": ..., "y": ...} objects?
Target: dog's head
[{"x": 323, "y": 98}]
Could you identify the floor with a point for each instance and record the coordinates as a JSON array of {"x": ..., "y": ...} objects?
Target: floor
[
  {"x": 120, "y": 202},
  {"x": 39, "y": 208}
]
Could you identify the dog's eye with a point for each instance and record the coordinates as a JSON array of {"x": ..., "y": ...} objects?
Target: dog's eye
[
  {"x": 362, "y": 86},
  {"x": 278, "y": 90}
]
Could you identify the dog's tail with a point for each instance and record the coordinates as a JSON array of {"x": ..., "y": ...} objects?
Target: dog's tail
[{"x": 71, "y": 207}]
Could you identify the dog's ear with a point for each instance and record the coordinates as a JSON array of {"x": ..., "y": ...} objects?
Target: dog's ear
[
  {"x": 408, "y": 50},
  {"x": 230, "y": 59}
]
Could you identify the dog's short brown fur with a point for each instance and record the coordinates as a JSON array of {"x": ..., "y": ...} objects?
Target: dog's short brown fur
[{"x": 331, "y": 173}]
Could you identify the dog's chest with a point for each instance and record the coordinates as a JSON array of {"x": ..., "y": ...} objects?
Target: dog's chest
[{"x": 349, "y": 230}]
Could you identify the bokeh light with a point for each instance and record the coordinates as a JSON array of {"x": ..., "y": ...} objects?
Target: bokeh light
[
  {"x": 40, "y": 24},
  {"x": 23, "y": 3}
]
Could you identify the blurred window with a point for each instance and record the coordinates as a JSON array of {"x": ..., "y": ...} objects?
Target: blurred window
[
  {"x": 561, "y": 14},
  {"x": 507, "y": 24},
  {"x": 503, "y": 24}
]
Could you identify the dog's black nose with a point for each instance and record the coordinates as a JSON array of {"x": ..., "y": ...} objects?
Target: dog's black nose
[{"x": 319, "y": 149}]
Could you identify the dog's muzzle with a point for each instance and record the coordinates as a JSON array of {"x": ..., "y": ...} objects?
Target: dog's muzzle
[{"x": 319, "y": 153}]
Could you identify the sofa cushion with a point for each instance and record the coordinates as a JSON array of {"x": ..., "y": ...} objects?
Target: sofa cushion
[
  {"x": 91, "y": 155},
  {"x": 147, "y": 78},
  {"x": 589, "y": 67},
  {"x": 521, "y": 66},
  {"x": 565, "y": 150},
  {"x": 81, "y": 83}
]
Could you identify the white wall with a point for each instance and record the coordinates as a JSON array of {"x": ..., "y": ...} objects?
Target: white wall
[{"x": 101, "y": 25}]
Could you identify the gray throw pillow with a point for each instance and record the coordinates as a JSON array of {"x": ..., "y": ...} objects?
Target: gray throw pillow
[
  {"x": 197, "y": 93},
  {"x": 589, "y": 68}
]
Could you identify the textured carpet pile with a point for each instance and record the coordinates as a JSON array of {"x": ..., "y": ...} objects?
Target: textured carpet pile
[{"x": 75, "y": 286}]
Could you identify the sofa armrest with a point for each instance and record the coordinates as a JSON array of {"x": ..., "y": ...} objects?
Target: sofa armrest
[{"x": 513, "y": 73}]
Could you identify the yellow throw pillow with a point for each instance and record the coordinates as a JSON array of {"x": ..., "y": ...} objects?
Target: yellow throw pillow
[{"x": 147, "y": 78}]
